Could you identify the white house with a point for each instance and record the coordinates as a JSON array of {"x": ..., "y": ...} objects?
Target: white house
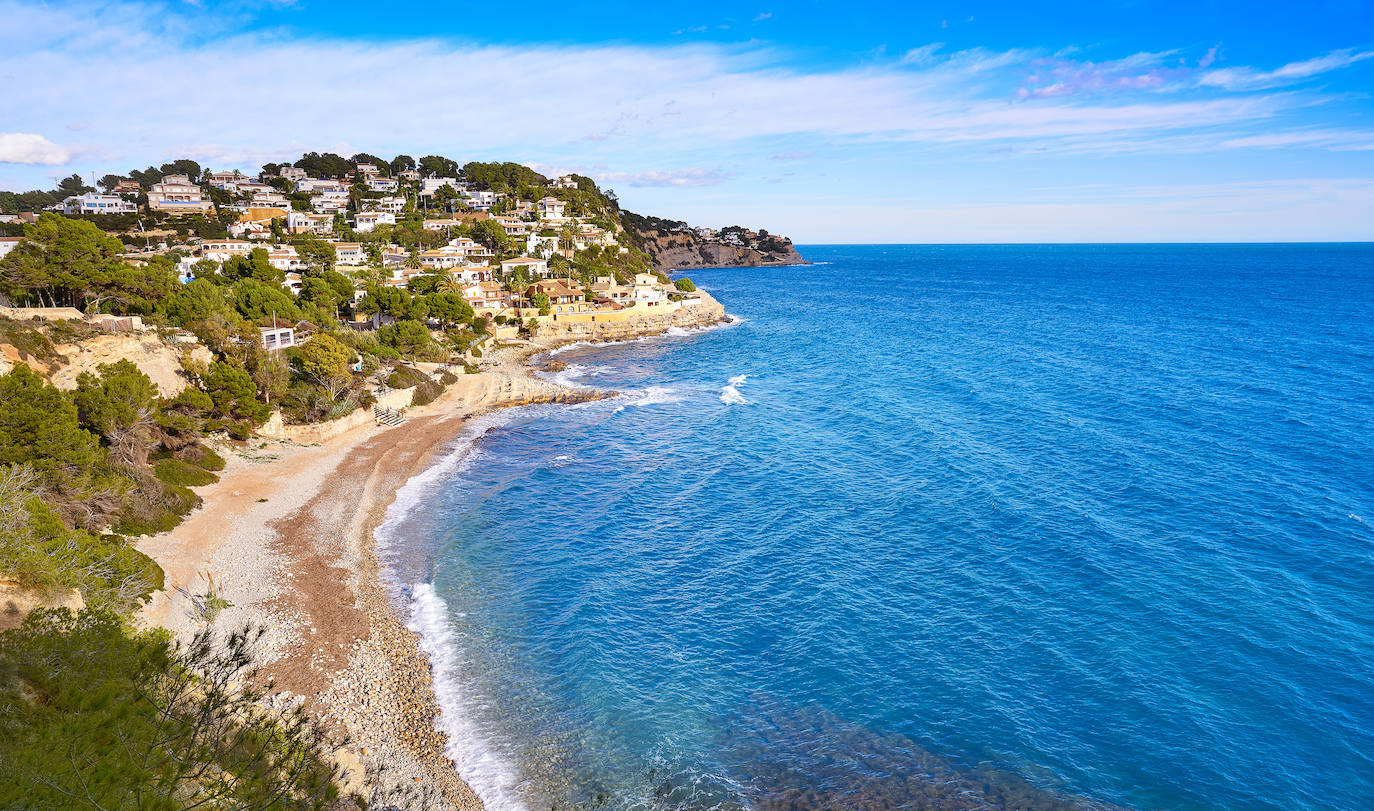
[
  {"x": 285, "y": 258},
  {"x": 534, "y": 267},
  {"x": 229, "y": 180},
  {"x": 440, "y": 223},
  {"x": 564, "y": 182},
  {"x": 649, "y": 293},
  {"x": 551, "y": 208},
  {"x": 176, "y": 194},
  {"x": 292, "y": 173},
  {"x": 382, "y": 184},
  {"x": 277, "y": 337},
  {"x": 349, "y": 253},
  {"x": 219, "y": 250},
  {"x": 543, "y": 247},
  {"x": 489, "y": 295},
  {"x": 315, "y": 184},
  {"x": 8, "y": 244},
  {"x": 365, "y": 221},
  {"x": 430, "y": 185},
  {"x": 391, "y": 205},
  {"x": 329, "y": 202},
  {"x": 300, "y": 222},
  {"x": 368, "y": 169},
  {"x": 480, "y": 200},
  {"x": 92, "y": 203},
  {"x": 514, "y": 227}
]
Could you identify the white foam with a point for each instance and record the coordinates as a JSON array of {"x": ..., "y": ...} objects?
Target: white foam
[
  {"x": 494, "y": 779},
  {"x": 568, "y": 376},
  {"x": 730, "y": 394},
  {"x": 480, "y": 764},
  {"x": 653, "y": 395}
]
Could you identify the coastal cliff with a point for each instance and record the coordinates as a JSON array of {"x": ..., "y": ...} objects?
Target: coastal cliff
[
  {"x": 676, "y": 245},
  {"x": 703, "y": 311}
]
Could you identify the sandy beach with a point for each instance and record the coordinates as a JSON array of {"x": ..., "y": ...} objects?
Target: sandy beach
[{"x": 285, "y": 541}]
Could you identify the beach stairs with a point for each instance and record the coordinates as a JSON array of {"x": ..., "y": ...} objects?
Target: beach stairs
[{"x": 387, "y": 416}]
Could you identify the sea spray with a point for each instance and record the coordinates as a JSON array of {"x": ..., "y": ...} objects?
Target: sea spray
[{"x": 730, "y": 395}]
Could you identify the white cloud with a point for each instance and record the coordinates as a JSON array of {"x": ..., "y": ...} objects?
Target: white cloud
[
  {"x": 635, "y": 106},
  {"x": 23, "y": 147},
  {"x": 1242, "y": 78},
  {"x": 675, "y": 177}
]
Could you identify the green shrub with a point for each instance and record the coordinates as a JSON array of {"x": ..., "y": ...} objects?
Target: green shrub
[
  {"x": 448, "y": 378},
  {"x": 119, "y": 718},
  {"x": 151, "y": 510},
  {"x": 426, "y": 392},
  {"x": 477, "y": 351},
  {"x": 685, "y": 285},
  {"x": 406, "y": 377},
  {"x": 203, "y": 457},
  {"x": 177, "y": 471}
]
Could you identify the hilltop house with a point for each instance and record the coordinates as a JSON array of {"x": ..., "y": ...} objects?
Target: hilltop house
[
  {"x": 564, "y": 182},
  {"x": 382, "y": 184},
  {"x": 92, "y": 203},
  {"x": 551, "y": 208},
  {"x": 228, "y": 181},
  {"x": 176, "y": 194}
]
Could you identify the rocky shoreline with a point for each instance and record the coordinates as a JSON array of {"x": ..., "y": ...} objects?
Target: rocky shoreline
[{"x": 287, "y": 539}]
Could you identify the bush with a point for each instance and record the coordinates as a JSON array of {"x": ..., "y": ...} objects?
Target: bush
[
  {"x": 37, "y": 550},
  {"x": 448, "y": 378},
  {"x": 202, "y": 457},
  {"x": 477, "y": 351},
  {"x": 176, "y": 471},
  {"x": 406, "y": 377},
  {"x": 426, "y": 393},
  {"x": 156, "y": 508},
  {"x": 119, "y": 718},
  {"x": 685, "y": 285}
]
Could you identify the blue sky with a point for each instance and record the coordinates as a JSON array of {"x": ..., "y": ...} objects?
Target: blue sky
[{"x": 830, "y": 122}]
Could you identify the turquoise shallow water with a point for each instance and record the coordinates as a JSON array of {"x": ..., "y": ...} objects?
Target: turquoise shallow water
[{"x": 943, "y": 527}]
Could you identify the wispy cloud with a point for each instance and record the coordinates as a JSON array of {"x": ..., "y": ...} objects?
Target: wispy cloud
[
  {"x": 763, "y": 16},
  {"x": 637, "y": 107},
  {"x": 676, "y": 177},
  {"x": 792, "y": 156},
  {"x": 1063, "y": 77},
  {"x": 1242, "y": 78},
  {"x": 28, "y": 148}
]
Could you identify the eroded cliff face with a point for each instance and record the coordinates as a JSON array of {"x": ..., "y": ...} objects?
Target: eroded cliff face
[
  {"x": 704, "y": 312},
  {"x": 681, "y": 249}
]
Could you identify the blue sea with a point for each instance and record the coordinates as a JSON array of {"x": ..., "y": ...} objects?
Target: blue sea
[{"x": 928, "y": 527}]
